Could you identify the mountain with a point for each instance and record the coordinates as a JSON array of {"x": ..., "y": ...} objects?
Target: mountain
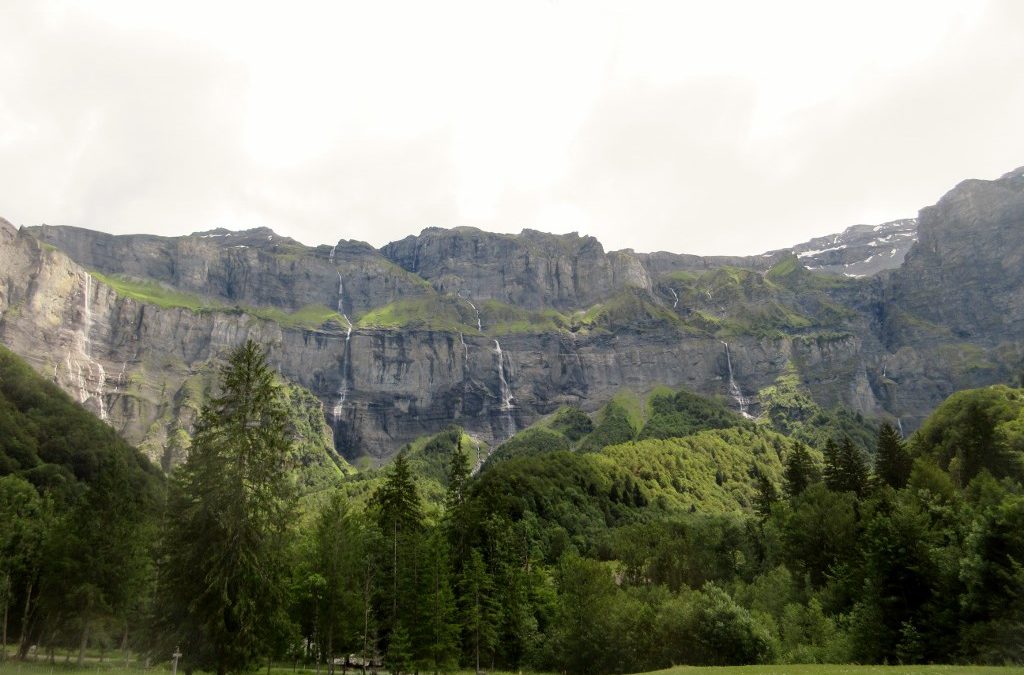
[{"x": 494, "y": 331}]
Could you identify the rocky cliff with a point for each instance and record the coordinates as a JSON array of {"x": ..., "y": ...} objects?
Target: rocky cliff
[{"x": 493, "y": 331}]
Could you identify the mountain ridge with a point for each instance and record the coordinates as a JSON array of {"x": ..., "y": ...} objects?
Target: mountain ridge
[{"x": 493, "y": 331}]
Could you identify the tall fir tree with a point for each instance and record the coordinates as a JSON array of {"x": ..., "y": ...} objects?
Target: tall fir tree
[
  {"x": 222, "y": 577},
  {"x": 400, "y": 519},
  {"x": 480, "y": 614},
  {"x": 846, "y": 468},
  {"x": 799, "y": 471},
  {"x": 892, "y": 461}
]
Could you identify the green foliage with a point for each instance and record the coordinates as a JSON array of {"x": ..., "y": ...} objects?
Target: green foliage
[
  {"x": 892, "y": 462},
  {"x": 529, "y": 442},
  {"x": 975, "y": 430},
  {"x": 155, "y": 293},
  {"x": 613, "y": 426},
  {"x": 684, "y": 413},
  {"x": 422, "y": 312},
  {"x": 226, "y": 549},
  {"x": 791, "y": 411},
  {"x": 801, "y": 471},
  {"x": 846, "y": 468},
  {"x": 572, "y": 423}
]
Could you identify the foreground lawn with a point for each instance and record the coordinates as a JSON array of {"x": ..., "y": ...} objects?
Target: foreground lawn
[
  {"x": 118, "y": 668},
  {"x": 815, "y": 669}
]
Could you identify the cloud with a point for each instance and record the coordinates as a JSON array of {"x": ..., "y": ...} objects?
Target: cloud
[{"x": 710, "y": 129}]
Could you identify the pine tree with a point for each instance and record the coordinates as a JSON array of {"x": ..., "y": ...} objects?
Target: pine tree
[
  {"x": 225, "y": 555},
  {"x": 892, "y": 461},
  {"x": 800, "y": 471}
]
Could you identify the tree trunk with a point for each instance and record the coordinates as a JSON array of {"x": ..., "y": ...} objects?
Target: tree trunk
[
  {"x": 394, "y": 602},
  {"x": 81, "y": 645},
  {"x": 23, "y": 642},
  {"x": 7, "y": 603}
]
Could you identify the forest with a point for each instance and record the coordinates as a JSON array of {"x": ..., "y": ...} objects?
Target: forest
[{"x": 655, "y": 533}]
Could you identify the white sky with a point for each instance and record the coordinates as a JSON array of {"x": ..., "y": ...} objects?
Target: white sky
[{"x": 699, "y": 127}]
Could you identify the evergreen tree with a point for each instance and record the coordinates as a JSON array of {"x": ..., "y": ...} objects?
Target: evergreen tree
[
  {"x": 767, "y": 495},
  {"x": 225, "y": 555},
  {"x": 846, "y": 469},
  {"x": 800, "y": 471},
  {"x": 479, "y": 611},
  {"x": 399, "y": 656},
  {"x": 892, "y": 461},
  {"x": 400, "y": 518},
  {"x": 438, "y": 620}
]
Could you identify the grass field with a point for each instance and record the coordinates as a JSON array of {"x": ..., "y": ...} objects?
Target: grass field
[
  {"x": 118, "y": 668},
  {"x": 815, "y": 669}
]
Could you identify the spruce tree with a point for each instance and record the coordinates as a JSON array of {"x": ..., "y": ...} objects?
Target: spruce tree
[
  {"x": 892, "y": 461},
  {"x": 400, "y": 518},
  {"x": 480, "y": 614},
  {"x": 846, "y": 469},
  {"x": 800, "y": 471},
  {"x": 222, "y": 587}
]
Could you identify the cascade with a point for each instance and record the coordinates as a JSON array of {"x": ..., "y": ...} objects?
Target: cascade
[
  {"x": 479, "y": 324},
  {"x": 506, "y": 391},
  {"x": 899, "y": 425},
  {"x": 331, "y": 256},
  {"x": 341, "y": 296},
  {"x": 465, "y": 351},
  {"x": 734, "y": 389},
  {"x": 339, "y": 403},
  {"x": 675, "y": 297},
  {"x": 89, "y": 378}
]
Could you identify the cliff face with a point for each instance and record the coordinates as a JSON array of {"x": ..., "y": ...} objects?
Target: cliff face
[{"x": 492, "y": 331}]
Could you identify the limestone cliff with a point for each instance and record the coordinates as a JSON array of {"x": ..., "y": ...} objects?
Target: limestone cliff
[{"x": 492, "y": 331}]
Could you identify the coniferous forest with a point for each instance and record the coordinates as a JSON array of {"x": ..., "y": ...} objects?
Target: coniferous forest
[{"x": 670, "y": 532}]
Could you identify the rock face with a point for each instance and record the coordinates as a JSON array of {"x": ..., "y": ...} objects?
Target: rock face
[
  {"x": 492, "y": 331},
  {"x": 861, "y": 250}
]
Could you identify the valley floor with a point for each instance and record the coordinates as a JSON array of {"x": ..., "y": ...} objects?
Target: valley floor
[{"x": 816, "y": 669}]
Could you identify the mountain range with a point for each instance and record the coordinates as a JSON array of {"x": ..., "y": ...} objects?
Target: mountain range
[{"x": 496, "y": 331}]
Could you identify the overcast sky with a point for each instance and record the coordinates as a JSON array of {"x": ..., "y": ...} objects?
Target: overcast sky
[{"x": 699, "y": 127}]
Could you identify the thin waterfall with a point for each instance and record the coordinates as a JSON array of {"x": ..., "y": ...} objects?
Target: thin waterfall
[
  {"x": 505, "y": 391},
  {"x": 341, "y": 296},
  {"x": 331, "y": 256},
  {"x": 899, "y": 425},
  {"x": 479, "y": 324},
  {"x": 734, "y": 389},
  {"x": 465, "y": 351},
  {"x": 339, "y": 402},
  {"x": 675, "y": 297}
]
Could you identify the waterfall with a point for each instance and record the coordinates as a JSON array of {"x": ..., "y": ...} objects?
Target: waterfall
[
  {"x": 331, "y": 256},
  {"x": 675, "y": 297},
  {"x": 899, "y": 425},
  {"x": 734, "y": 389},
  {"x": 479, "y": 324},
  {"x": 88, "y": 378},
  {"x": 465, "y": 351},
  {"x": 506, "y": 392},
  {"x": 339, "y": 403},
  {"x": 341, "y": 297}
]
